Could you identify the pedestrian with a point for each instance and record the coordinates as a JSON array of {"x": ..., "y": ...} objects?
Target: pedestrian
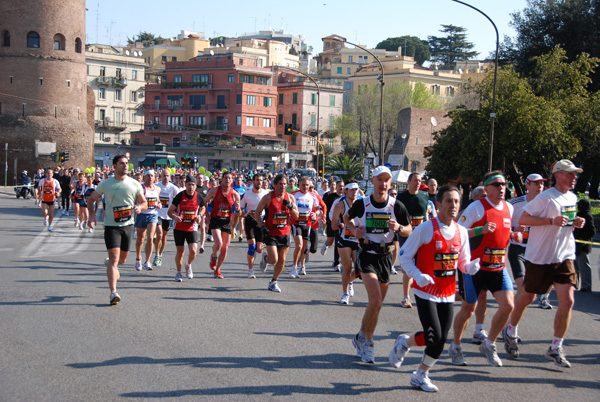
[{"x": 583, "y": 250}]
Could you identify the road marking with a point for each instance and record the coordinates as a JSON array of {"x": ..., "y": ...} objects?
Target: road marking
[{"x": 65, "y": 239}]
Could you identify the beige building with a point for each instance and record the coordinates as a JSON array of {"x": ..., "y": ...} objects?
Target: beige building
[{"x": 117, "y": 80}]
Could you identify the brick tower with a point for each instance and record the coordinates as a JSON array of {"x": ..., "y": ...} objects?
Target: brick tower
[{"x": 45, "y": 103}]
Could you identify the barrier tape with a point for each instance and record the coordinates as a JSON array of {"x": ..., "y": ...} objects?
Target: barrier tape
[{"x": 587, "y": 242}]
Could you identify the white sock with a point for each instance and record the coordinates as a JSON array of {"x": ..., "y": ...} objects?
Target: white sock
[
  {"x": 478, "y": 327},
  {"x": 556, "y": 342}
]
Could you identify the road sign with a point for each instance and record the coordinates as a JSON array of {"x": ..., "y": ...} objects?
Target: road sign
[
  {"x": 368, "y": 161},
  {"x": 340, "y": 172},
  {"x": 127, "y": 155},
  {"x": 389, "y": 166},
  {"x": 118, "y": 148},
  {"x": 107, "y": 154}
]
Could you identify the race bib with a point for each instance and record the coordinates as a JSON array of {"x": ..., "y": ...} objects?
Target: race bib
[
  {"x": 303, "y": 219},
  {"x": 493, "y": 258},
  {"x": 348, "y": 235},
  {"x": 570, "y": 212},
  {"x": 526, "y": 234},
  {"x": 223, "y": 213},
  {"x": 280, "y": 220},
  {"x": 416, "y": 220},
  {"x": 164, "y": 201},
  {"x": 188, "y": 216},
  {"x": 376, "y": 222},
  {"x": 444, "y": 265},
  {"x": 122, "y": 214},
  {"x": 152, "y": 202}
]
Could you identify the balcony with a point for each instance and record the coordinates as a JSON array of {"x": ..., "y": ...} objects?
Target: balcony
[
  {"x": 179, "y": 85},
  {"x": 119, "y": 81},
  {"x": 108, "y": 124},
  {"x": 171, "y": 107},
  {"x": 103, "y": 81}
]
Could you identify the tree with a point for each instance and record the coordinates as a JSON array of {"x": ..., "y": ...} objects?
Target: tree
[
  {"x": 446, "y": 50},
  {"x": 339, "y": 162},
  {"x": 411, "y": 46},
  {"x": 346, "y": 126},
  {"x": 147, "y": 39}
]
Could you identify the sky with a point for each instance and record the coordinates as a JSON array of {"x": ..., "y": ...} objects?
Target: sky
[{"x": 359, "y": 21}]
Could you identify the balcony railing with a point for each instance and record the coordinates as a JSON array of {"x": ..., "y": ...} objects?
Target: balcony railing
[
  {"x": 178, "y": 85},
  {"x": 171, "y": 106}
]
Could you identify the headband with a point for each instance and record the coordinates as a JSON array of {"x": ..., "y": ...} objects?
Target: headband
[
  {"x": 351, "y": 186},
  {"x": 494, "y": 177}
]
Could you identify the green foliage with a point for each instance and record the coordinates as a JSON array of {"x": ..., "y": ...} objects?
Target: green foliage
[
  {"x": 411, "y": 46},
  {"x": 339, "y": 162},
  {"x": 446, "y": 50},
  {"x": 146, "y": 38},
  {"x": 346, "y": 126}
]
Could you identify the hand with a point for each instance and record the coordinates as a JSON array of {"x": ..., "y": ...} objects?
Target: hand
[
  {"x": 489, "y": 227},
  {"x": 517, "y": 236},
  {"x": 360, "y": 231},
  {"x": 559, "y": 220},
  {"x": 579, "y": 222},
  {"x": 287, "y": 204},
  {"x": 472, "y": 267},
  {"x": 92, "y": 222},
  {"x": 177, "y": 219},
  {"x": 137, "y": 209},
  {"x": 341, "y": 224},
  {"x": 393, "y": 225},
  {"x": 424, "y": 280}
]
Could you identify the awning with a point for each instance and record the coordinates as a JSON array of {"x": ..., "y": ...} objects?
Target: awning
[
  {"x": 173, "y": 162},
  {"x": 148, "y": 162},
  {"x": 161, "y": 162}
]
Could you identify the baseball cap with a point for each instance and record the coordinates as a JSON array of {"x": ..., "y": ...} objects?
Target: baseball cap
[
  {"x": 423, "y": 187},
  {"x": 566, "y": 165},
  {"x": 535, "y": 177},
  {"x": 150, "y": 171},
  {"x": 190, "y": 179},
  {"x": 380, "y": 170}
]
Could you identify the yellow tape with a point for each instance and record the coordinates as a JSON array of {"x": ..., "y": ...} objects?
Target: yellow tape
[{"x": 587, "y": 242}]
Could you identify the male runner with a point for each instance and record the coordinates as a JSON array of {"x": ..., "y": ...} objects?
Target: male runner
[
  {"x": 167, "y": 191},
  {"x": 331, "y": 232},
  {"x": 65, "y": 187},
  {"x": 488, "y": 221},
  {"x": 550, "y": 256},
  {"x": 248, "y": 206},
  {"x": 48, "y": 194},
  {"x": 224, "y": 200},
  {"x": 185, "y": 210},
  {"x": 432, "y": 185},
  {"x": 39, "y": 175},
  {"x": 442, "y": 246},
  {"x": 121, "y": 193},
  {"x": 279, "y": 206},
  {"x": 146, "y": 222},
  {"x": 306, "y": 202},
  {"x": 90, "y": 187},
  {"x": 378, "y": 217},
  {"x": 240, "y": 187}
]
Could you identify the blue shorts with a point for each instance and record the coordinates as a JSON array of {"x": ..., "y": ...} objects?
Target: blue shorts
[
  {"x": 490, "y": 280},
  {"x": 142, "y": 220}
]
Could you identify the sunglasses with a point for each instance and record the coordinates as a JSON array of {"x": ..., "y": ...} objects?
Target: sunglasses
[
  {"x": 393, "y": 194},
  {"x": 498, "y": 184}
]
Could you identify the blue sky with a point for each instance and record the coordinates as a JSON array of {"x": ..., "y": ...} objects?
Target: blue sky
[{"x": 362, "y": 22}]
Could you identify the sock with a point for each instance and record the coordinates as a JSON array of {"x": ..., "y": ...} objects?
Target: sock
[
  {"x": 454, "y": 346},
  {"x": 478, "y": 327},
  {"x": 271, "y": 266},
  {"x": 369, "y": 342},
  {"x": 361, "y": 335},
  {"x": 556, "y": 343},
  {"x": 489, "y": 343},
  {"x": 512, "y": 331},
  {"x": 273, "y": 280},
  {"x": 421, "y": 372}
]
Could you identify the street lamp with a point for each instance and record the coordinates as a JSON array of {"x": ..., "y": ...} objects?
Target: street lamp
[
  {"x": 493, "y": 114},
  {"x": 404, "y": 143},
  {"x": 381, "y": 82},
  {"x": 318, "y": 104}
]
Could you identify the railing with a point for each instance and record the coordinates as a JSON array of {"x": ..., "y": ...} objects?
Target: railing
[
  {"x": 178, "y": 85},
  {"x": 103, "y": 80},
  {"x": 171, "y": 106}
]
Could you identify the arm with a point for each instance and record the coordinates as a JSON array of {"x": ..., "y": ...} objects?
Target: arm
[
  {"x": 91, "y": 212},
  {"x": 293, "y": 208},
  {"x": 171, "y": 213},
  {"x": 210, "y": 196},
  {"x": 141, "y": 205},
  {"x": 259, "y": 209},
  {"x": 337, "y": 210},
  {"x": 410, "y": 249}
]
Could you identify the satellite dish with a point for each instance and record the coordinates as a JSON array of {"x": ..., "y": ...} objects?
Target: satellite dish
[
  {"x": 212, "y": 53},
  {"x": 434, "y": 121},
  {"x": 127, "y": 52},
  {"x": 460, "y": 71},
  {"x": 135, "y": 54}
]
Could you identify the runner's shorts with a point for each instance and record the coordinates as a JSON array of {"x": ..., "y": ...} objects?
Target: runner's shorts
[
  {"x": 118, "y": 237},
  {"x": 379, "y": 264},
  {"x": 142, "y": 220}
]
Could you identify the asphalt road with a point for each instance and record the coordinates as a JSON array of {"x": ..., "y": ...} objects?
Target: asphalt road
[{"x": 231, "y": 339}]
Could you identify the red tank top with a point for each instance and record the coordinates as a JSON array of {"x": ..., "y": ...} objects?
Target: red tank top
[
  {"x": 277, "y": 217},
  {"x": 187, "y": 211},
  {"x": 222, "y": 205},
  {"x": 439, "y": 259},
  {"x": 48, "y": 194},
  {"x": 492, "y": 246}
]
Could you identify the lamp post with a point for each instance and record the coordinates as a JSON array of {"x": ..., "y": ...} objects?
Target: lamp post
[
  {"x": 318, "y": 105},
  {"x": 382, "y": 83},
  {"x": 493, "y": 113},
  {"x": 403, "y": 136}
]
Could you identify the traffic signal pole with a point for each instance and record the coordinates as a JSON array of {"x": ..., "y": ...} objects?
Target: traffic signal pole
[{"x": 322, "y": 151}]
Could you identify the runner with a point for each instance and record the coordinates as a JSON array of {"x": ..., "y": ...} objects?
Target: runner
[
  {"x": 224, "y": 200},
  {"x": 167, "y": 191},
  {"x": 306, "y": 202},
  {"x": 320, "y": 211},
  {"x": 79, "y": 205},
  {"x": 65, "y": 187},
  {"x": 90, "y": 187},
  {"x": 442, "y": 246},
  {"x": 146, "y": 222},
  {"x": 279, "y": 206},
  {"x": 121, "y": 194},
  {"x": 185, "y": 210},
  {"x": 488, "y": 221},
  {"x": 39, "y": 175},
  {"x": 248, "y": 204},
  {"x": 549, "y": 257},
  {"x": 48, "y": 194},
  {"x": 332, "y": 233},
  {"x": 348, "y": 243},
  {"x": 237, "y": 218},
  {"x": 378, "y": 217},
  {"x": 202, "y": 188}
]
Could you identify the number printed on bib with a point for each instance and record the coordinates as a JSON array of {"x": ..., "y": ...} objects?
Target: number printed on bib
[
  {"x": 188, "y": 216},
  {"x": 280, "y": 220},
  {"x": 493, "y": 258},
  {"x": 416, "y": 220},
  {"x": 445, "y": 265},
  {"x": 164, "y": 201},
  {"x": 122, "y": 214},
  {"x": 151, "y": 202},
  {"x": 303, "y": 219},
  {"x": 376, "y": 222},
  {"x": 570, "y": 212}
]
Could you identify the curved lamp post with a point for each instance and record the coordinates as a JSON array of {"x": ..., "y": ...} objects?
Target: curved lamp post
[
  {"x": 382, "y": 83},
  {"x": 493, "y": 113}
]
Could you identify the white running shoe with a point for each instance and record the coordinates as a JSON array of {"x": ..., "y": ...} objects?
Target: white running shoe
[
  {"x": 114, "y": 298},
  {"x": 544, "y": 303},
  {"x": 66, "y": 213},
  {"x": 399, "y": 351},
  {"x": 456, "y": 356},
  {"x": 394, "y": 272},
  {"x": 351, "y": 289},
  {"x": 337, "y": 268},
  {"x": 188, "y": 271},
  {"x": 294, "y": 273},
  {"x": 490, "y": 354},
  {"x": 358, "y": 345},
  {"x": 81, "y": 226},
  {"x": 46, "y": 221},
  {"x": 345, "y": 299},
  {"x": 423, "y": 382},
  {"x": 138, "y": 265},
  {"x": 479, "y": 337},
  {"x": 324, "y": 249},
  {"x": 263, "y": 262},
  {"x": 251, "y": 274},
  {"x": 76, "y": 223},
  {"x": 49, "y": 228},
  {"x": 156, "y": 259},
  {"x": 302, "y": 270},
  {"x": 90, "y": 230},
  {"x": 148, "y": 266},
  {"x": 274, "y": 287},
  {"x": 368, "y": 352},
  {"x": 178, "y": 277}
]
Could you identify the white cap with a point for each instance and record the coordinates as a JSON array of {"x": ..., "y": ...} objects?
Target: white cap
[
  {"x": 535, "y": 177},
  {"x": 351, "y": 186},
  {"x": 150, "y": 171},
  {"x": 381, "y": 169},
  {"x": 566, "y": 165}
]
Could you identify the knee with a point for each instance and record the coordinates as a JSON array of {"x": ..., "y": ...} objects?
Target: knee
[
  {"x": 375, "y": 304},
  {"x": 251, "y": 250}
]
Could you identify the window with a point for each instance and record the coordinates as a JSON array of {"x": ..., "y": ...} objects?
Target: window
[
  {"x": 350, "y": 59},
  {"x": 163, "y": 59},
  {"x": 293, "y": 139},
  {"x": 295, "y": 98},
  {"x": 33, "y": 39},
  {"x": 197, "y": 120},
  {"x": 238, "y": 120},
  {"x": 294, "y": 119},
  {"x": 312, "y": 141},
  {"x": 5, "y": 39},
  {"x": 238, "y": 99},
  {"x": 177, "y": 78},
  {"x": 118, "y": 73},
  {"x": 134, "y": 74},
  {"x": 77, "y": 45},
  {"x": 339, "y": 70},
  {"x": 313, "y": 99},
  {"x": 249, "y": 121},
  {"x": 331, "y": 100},
  {"x": 230, "y": 78},
  {"x": 245, "y": 78},
  {"x": 348, "y": 85},
  {"x": 196, "y": 101},
  {"x": 117, "y": 94},
  {"x": 267, "y": 122},
  {"x": 281, "y": 99},
  {"x": 174, "y": 58},
  {"x": 263, "y": 80},
  {"x": 102, "y": 114},
  {"x": 200, "y": 78},
  {"x": 174, "y": 121},
  {"x": 102, "y": 93},
  {"x": 102, "y": 71},
  {"x": 260, "y": 62},
  {"x": 313, "y": 121},
  {"x": 267, "y": 102},
  {"x": 117, "y": 118},
  {"x": 435, "y": 89},
  {"x": 133, "y": 117},
  {"x": 174, "y": 101},
  {"x": 133, "y": 96},
  {"x": 241, "y": 62},
  {"x": 331, "y": 142},
  {"x": 348, "y": 70},
  {"x": 59, "y": 42},
  {"x": 450, "y": 91},
  {"x": 250, "y": 100},
  {"x": 280, "y": 119}
]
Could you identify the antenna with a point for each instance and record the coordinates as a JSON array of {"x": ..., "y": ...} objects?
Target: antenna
[{"x": 212, "y": 53}]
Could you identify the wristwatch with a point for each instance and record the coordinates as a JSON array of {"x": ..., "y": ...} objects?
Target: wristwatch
[{"x": 400, "y": 229}]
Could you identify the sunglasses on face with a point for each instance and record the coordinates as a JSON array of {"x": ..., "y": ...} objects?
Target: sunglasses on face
[{"x": 498, "y": 184}]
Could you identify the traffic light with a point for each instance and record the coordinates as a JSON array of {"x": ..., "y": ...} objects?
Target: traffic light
[
  {"x": 66, "y": 155},
  {"x": 54, "y": 156},
  {"x": 189, "y": 162},
  {"x": 320, "y": 171},
  {"x": 62, "y": 157},
  {"x": 288, "y": 129},
  {"x": 183, "y": 162}
]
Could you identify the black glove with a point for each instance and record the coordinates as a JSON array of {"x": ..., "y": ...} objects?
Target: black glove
[
  {"x": 265, "y": 231},
  {"x": 287, "y": 204}
]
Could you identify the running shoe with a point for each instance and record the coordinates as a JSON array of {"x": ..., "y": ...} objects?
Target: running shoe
[
  {"x": 337, "y": 268},
  {"x": 324, "y": 249},
  {"x": 263, "y": 262},
  {"x": 399, "y": 351},
  {"x": 511, "y": 345},
  {"x": 114, "y": 298},
  {"x": 558, "y": 356},
  {"x": 251, "y": 274},
  {"x": 490, "y": 353},
  {"x": 302, "y": 270},
  {"x": 274, "y": 287},
  {"x": 76, "y": 222},
  {"x": 67, "y": 213},
  {"x": 544, "y": 303},
  {"x": 345, "y": 299},
  {"x": 358, "y": 345},
  {"x": 218, "y": 274},
  {"x": 201, "y": 249},
  {"x": 294, "y": 273},
  {"x": 368, "y": 352},
  {"x": 240, "y": 238},
  {"x": 188, "y": 271},
  {"x": 213, "y": 262},
  {"x": 178, "y": 277},
  {"x": 233, "y": 235},
  {"x": 49, "y": 228},
  {"x": 479, "y": 337},
  {"x": 394, "y": 272},
  {"x": 46, "y": 221},
  {"x": 80, "y": 226},
  {"x": 148, "y": 266},
  {"x": 456, "y": 356},
  {"x": 423, "y": 382},
  {"x": 90, "y": 230},
  {"x": 209, "y": 238},
  {"x": 156, "y": 260},
  {"x": 351, "y": 289},
  {"x": 406, "y": 302},
  {"x": 138, "y": 265}
]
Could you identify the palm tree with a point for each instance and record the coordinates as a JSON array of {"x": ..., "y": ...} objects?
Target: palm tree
[{"x": 340, "y": 162}]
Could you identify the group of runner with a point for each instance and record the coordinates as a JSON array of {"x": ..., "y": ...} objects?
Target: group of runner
[{"x": 432, "y": 242}]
